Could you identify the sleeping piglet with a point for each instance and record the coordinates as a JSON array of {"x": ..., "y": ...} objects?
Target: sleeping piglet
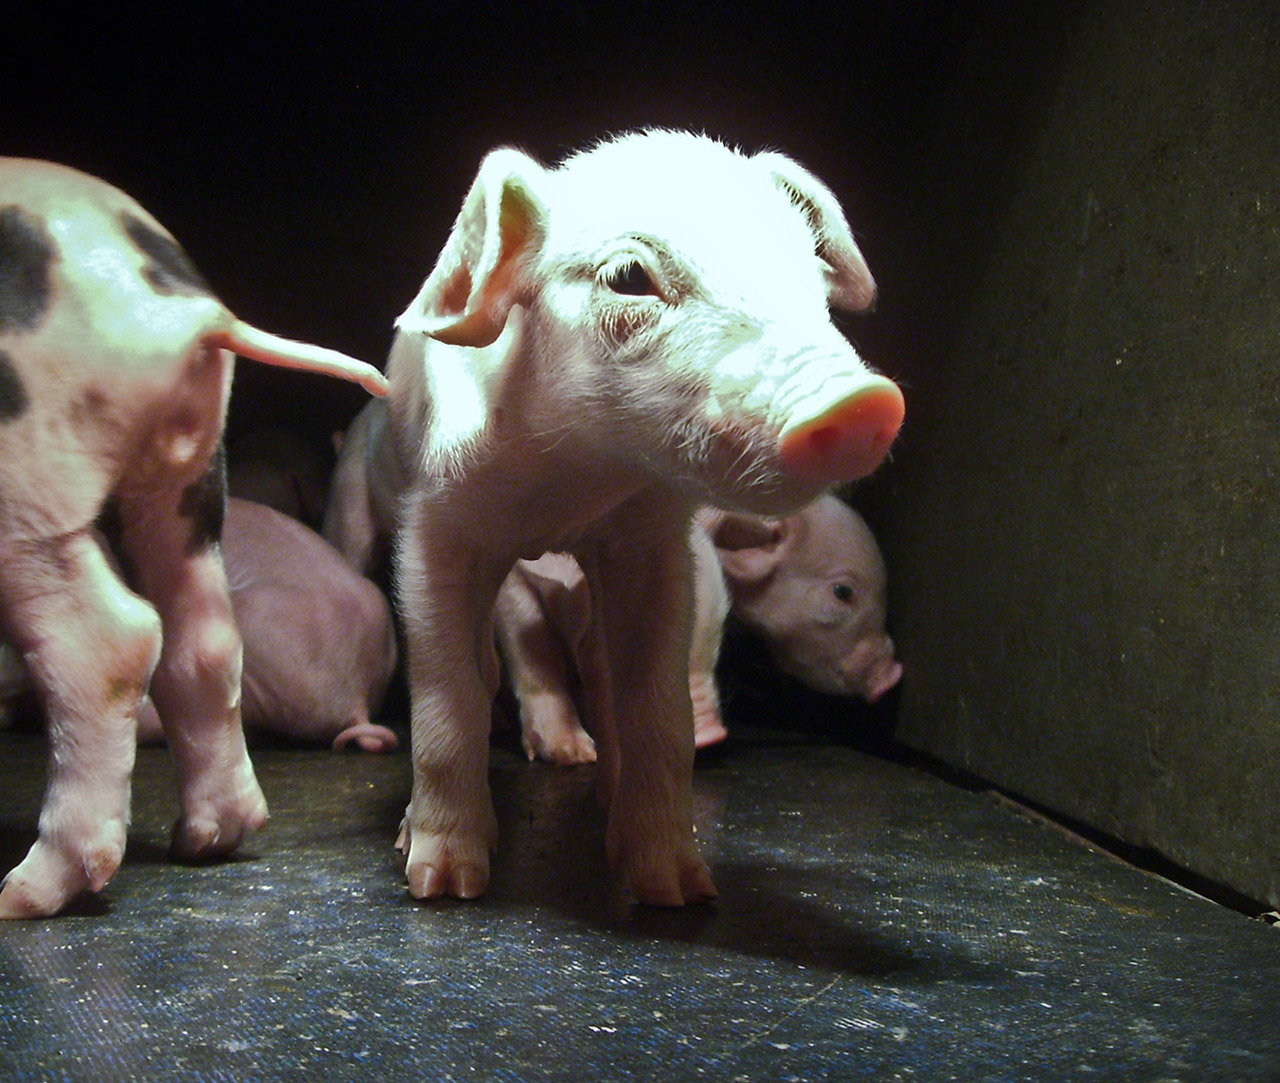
[
  {"x": 812, "y": 586},
  {"x": 319, "y": 647}
]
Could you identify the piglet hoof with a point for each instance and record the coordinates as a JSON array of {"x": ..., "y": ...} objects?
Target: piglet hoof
[
  {"x": 367, "y": 737},
  {"x": 436, "y": 880},
  {"x": 440, "y": 864},
  {"x": 708, "y": 729},
  {"x": 46, "y": 879},
  {"x": 565, "y": 747},
  {"x": 664, "y": 878},
  {"x": 213, "y": 828},
  {"x": 550, "y": 731}
]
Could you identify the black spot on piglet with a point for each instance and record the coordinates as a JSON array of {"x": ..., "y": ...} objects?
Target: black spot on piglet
[
  {"x": 169, "y": 270},
  {"x": 13, "y": 396},
  {"x": 26, "y": 252},
  {"x": 110, "y": 525},
  {"x": 205, "y": 503}
]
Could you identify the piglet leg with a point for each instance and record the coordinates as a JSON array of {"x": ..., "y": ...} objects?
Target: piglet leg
[
  {"x": 170, "y": 540},
  {"x": 449, "y": 828},
  {"x": 538, "y": 650},
  {"x": 710, "y": 608},
  {"x": 90, "y": 645},
  {"x": 640, "y": 589}
]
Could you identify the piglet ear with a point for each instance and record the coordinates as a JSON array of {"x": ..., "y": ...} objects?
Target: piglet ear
[
  {"x": 750, "y": 548},
  {"x": 850, "y": 286},
  {"x": 729, "y": 530},
  {"x": 478, "y": 277}
]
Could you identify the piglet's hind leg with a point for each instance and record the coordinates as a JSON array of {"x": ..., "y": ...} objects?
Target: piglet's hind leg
[
  {"x": 172, "y": 546},
  {"x": 90, "y": 645}
]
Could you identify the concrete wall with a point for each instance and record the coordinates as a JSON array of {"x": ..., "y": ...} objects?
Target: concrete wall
[{"x": 1083, "y": 518}]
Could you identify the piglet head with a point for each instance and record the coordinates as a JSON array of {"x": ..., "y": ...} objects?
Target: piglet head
[
  {"x": 706, "y": 277},
  {"x": 676, "y": 297},
  {"x": 812, "y": 586}
]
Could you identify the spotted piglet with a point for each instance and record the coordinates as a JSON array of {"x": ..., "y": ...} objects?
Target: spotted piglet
[{"x": 115, "y": 370}]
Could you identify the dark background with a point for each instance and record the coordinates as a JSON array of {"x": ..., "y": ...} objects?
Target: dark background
[
  {"x": 1073, "y": 214},
  {"x": 311, "y": 157}
]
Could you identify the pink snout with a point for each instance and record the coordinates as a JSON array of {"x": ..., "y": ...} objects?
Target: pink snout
[
  {"x": 870, "y": 670},
  {"x": 845, "y": 435},
  {"x": 882, "y": 679}
]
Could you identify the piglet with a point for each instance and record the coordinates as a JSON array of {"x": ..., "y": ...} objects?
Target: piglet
[
  {"x": 600, "y": 348},
  {"x": 812, "y": 586},
  {"x": 542, "y": 619},
  {"x": 279, "y": 467},
  {"x": 319, "y": 646},
  {"x": 364, "y": 491},
  {"x": 115, "y": 371}
]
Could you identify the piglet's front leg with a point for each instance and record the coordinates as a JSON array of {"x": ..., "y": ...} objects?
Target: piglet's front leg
[
  {"x": 449, "y": 828},
  {"x": 642, "y": 601}
]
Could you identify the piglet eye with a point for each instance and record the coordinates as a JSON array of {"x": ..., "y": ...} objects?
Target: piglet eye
[
  {"x": 631, "y": 279},
  {"x": 843, "y": 592}
]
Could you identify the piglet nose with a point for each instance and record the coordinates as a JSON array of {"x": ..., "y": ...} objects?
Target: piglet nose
[{"x": 842, "y": 433}]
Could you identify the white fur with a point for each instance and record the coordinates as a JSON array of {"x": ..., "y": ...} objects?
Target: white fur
[{"x": 540, "y": 403}]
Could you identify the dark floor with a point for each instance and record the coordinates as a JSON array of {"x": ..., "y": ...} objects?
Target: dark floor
[{"x": 874, "y": 922}]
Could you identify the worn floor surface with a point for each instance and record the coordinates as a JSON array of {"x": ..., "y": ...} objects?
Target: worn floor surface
[{"x": 874, "y": 922}]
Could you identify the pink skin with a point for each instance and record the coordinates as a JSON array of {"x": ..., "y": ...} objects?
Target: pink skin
[
  {"x": 601, "y": 348},
  {"x": 319, "y": 647},
  {"x": 277, "y": 467},
  {"x": 542, "y": 620},
  {"x": 117, "y": 369},
  {"x": 812, "y": 585}
]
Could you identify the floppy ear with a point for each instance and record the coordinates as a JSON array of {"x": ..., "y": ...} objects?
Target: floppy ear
[
  {"x": 729, "y": 530},
  {"x": 478, "y": 277},
  {"x": 850, "y": 286},
  {"x": 749, "y": 548}
]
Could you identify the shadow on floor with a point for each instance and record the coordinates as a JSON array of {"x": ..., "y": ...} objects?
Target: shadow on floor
[{"x": 873, "y": 922}]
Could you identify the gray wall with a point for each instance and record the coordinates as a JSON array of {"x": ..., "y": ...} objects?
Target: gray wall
[{"x": 1083, "y": 516}]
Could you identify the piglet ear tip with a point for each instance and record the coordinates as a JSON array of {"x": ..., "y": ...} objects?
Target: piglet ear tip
[
  {"x": 476, "y": 328},
  {"x": 852, "y": 292}
]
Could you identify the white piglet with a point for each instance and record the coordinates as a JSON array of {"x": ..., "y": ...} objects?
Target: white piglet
[
  {"x": 601, "y": 348},
  {"x": 115, "y": 368}
]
